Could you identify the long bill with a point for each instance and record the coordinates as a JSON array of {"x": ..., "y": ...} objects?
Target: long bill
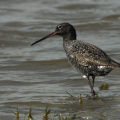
[{"x": 50, "y": 35}]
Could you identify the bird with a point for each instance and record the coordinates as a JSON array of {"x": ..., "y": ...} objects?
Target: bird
[{"x": 89, "y": 60}]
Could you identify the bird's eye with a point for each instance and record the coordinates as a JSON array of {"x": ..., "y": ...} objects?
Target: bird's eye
[{"x": 59, "y": 26}]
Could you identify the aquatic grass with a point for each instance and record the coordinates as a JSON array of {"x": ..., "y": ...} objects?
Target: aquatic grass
[
  {"x": 30, "y": 115},
  {"x": 17, "y": 114},
  {"x": 69, "y": 94},
  {"x": 45, "y": 116},
  {"x": 104, "y": 87},
  {"x": 80, "y": 100},
  {"x": 67, "y": 117},
  {"x": 49, "y": 116}
]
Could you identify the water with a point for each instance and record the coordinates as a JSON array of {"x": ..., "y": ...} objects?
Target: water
[{"x": 40, "y": 75}]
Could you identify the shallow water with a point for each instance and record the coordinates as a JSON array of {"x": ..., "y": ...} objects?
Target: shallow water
[{"x": 40, "y": 75}]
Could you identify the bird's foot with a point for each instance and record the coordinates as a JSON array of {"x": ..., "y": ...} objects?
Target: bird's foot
[{"x": 93, "y": 93}]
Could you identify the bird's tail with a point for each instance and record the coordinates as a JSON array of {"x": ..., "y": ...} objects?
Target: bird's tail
[{"x": 115, "y": 64}]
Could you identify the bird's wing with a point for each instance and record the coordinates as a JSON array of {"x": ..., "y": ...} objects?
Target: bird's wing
[{"x": 89, "y": 55}]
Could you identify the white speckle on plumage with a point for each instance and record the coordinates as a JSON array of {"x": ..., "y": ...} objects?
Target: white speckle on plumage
[
  {"x": 84, "y": 76},
  {"x": 100, "y": 67},
  {"x": 71, "y": 56}
]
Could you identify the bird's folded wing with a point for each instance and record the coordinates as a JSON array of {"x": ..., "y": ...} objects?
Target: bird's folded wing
[{"x": 90, "y": 55}]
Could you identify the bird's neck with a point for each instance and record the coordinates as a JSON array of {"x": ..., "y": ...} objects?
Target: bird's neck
[{"x": 69, "y": 37}]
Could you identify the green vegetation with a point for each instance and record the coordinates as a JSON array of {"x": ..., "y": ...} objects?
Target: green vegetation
[
  {"x": 45, "y": 116},
  {"x": 104, "y": 87}
]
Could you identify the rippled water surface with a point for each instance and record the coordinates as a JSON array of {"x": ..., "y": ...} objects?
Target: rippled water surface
[{"x": 40, "y": 75}]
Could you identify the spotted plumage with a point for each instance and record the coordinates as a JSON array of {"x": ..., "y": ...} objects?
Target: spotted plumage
[{"x": 86, "y": 58}]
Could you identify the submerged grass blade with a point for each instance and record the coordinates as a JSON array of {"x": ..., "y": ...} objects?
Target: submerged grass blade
[
  {"x": 30, "y": 115},
  {"x": 45, "y": 116},
  {"x": 17, "y": 114}
]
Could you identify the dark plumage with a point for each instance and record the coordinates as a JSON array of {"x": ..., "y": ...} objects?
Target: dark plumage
[{"x": 86, "y": 58}]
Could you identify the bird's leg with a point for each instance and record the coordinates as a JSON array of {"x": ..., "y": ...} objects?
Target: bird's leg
[
  {"x": 91, "y": 86},
  {"x": 93, "y": 78}
]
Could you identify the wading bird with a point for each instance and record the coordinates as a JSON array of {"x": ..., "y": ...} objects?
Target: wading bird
[{"x": 86, "y": 58}]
